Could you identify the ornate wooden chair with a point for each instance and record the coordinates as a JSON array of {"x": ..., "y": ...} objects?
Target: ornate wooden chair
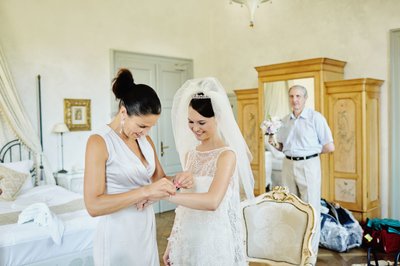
[{"x": 278, "y": 228}]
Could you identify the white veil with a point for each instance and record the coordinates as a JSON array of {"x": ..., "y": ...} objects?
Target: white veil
[{"x": 227, "y": 126}]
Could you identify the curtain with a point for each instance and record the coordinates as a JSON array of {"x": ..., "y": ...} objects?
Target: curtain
[
  {"x": 276, "y": 99},
  {"x": 13, "y": 112}
]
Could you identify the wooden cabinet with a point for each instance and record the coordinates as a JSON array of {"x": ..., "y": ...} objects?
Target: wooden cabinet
[
  {"x": 353, "y": 115},
  {"x": 248, "y": 121}
]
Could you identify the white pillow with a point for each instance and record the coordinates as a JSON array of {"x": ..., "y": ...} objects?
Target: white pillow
[{"x": 23, "y": 167}]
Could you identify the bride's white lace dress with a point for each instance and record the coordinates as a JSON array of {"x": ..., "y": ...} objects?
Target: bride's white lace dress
[{"x": 208, "y": 238}]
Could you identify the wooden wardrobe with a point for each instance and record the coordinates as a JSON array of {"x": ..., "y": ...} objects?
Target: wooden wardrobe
[
  {"x": 350, "y": 175},
  {"x": 353, "y": 115}
]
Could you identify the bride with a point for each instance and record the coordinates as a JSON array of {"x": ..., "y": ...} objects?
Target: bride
[{"x": 207, "y": 228}]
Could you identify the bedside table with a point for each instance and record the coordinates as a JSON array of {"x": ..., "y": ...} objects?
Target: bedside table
[{"x": 72, "y": 181}]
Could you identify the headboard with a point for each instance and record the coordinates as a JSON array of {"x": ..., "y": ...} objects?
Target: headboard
[{"x": 14, "y": 151}]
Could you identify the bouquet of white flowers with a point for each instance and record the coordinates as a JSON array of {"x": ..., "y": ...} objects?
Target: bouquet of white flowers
[{"x": 271, "y": 125}]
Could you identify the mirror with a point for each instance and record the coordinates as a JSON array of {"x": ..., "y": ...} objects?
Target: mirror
[{"x": 276, "y": 104}]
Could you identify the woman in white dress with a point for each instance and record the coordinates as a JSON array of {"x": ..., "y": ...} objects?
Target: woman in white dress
[
  {"x": 207, "y": 229},
  {"x": 123, "y": 174}
]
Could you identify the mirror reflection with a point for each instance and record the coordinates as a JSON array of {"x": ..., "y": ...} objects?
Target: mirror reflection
[{"x": 276, "y": 104}]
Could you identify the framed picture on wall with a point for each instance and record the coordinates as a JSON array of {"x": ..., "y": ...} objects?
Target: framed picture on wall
[{"x": 77, "y": 114}]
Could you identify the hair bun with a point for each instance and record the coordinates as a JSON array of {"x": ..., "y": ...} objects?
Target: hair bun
[{"x": 122, "y": 83}]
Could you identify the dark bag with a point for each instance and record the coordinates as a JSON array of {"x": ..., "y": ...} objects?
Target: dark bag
[{"x": 382, "y": 235}]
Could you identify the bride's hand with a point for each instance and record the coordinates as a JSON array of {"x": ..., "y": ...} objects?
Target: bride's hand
[
  {"x": 183, "y": 180},
  {"x": 166, "y": 257}
]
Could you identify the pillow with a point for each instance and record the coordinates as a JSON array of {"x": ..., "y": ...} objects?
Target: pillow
[
  {"x": 11, "y": 182},
  {"x": 23, "y": 167}
]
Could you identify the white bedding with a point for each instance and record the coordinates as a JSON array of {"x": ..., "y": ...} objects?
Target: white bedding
[{"x": 29, "y": 243}]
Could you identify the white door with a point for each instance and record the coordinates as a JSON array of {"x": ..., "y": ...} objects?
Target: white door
[
  {"x": 171, "y": 78},
  {"x": 165, "y": 75}
]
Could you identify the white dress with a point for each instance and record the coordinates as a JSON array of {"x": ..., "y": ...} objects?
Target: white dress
[
  {"x": 126, "y": 237},
  {"x": 208, "y": 238}
]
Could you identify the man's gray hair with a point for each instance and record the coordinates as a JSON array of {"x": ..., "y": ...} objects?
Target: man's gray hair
[{"x": 301, "y": 88}]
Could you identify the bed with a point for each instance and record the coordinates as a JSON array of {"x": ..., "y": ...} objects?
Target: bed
[{"x": 65, "y": 236}]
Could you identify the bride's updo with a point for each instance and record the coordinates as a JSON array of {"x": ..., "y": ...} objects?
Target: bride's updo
[
  {"x": 201, "y": 103},
  {"x": 138, "y": 99}
]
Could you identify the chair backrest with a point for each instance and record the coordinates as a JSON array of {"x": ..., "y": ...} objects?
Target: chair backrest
[{"x": 278, "y": 228}]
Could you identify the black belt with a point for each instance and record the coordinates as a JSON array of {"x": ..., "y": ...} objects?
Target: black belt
[{"x": 301, "y": 158}]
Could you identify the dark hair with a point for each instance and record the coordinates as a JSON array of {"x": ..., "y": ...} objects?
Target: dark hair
[
  {"x": 202, "y": 104},
  {"x": 138, "y": 99}
]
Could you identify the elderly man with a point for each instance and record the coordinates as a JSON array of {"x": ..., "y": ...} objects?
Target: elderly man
[{"x": 304, "y": 135}]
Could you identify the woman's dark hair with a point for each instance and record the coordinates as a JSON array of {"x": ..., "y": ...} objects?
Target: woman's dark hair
[
  {"x": 138, "y": 99},
  {"x": 202, "y": 104}
]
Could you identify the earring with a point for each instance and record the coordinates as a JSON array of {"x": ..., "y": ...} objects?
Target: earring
[{"x": 121, "y": 129}]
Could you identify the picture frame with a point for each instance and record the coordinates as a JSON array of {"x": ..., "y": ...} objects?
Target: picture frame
[{"x": 77, "y": 114}]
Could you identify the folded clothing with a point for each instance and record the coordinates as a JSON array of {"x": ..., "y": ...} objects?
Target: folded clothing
[{"x": 40, "y": 214}]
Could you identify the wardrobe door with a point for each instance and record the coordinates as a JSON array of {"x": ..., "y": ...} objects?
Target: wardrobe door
[
  {"x": 248, "y": 121},
  {"x": 353, "y": 114}
]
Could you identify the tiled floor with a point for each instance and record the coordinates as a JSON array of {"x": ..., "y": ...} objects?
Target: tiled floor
[{"x": 325, "y": 257}]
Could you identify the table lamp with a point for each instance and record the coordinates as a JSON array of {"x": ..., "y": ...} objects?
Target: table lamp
[{"x": 61, "y": 128}]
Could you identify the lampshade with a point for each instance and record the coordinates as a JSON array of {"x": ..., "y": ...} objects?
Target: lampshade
[
  {"x": 60, "y": 128},
  {"x": 252, "y": 5}
]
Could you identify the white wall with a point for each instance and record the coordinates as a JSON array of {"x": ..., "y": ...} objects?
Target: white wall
[
  {"x": 355, "y": 31},
  {"x": 68, "y": 44}
]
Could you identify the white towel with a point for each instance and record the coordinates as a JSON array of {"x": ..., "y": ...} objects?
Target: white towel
[{"x": 40, "y": 214}]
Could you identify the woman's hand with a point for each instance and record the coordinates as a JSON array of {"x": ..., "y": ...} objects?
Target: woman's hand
[
  {"x": 158, "y": 190},
  {"x": 143, "y": 204},
  {"x": 166, "y": 257},
  {"x": 183, "y": 180}
]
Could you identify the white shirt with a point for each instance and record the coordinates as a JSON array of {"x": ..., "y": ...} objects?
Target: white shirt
[{"x": 304, "y": 135}]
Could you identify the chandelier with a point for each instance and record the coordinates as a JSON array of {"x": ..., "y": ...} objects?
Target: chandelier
[{"x": 252, "y": 5}]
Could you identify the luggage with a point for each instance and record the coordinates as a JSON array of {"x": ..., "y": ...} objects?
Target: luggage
[
  {"x": 382, "y": 234},
  {"x": 340, "y": 231}
]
